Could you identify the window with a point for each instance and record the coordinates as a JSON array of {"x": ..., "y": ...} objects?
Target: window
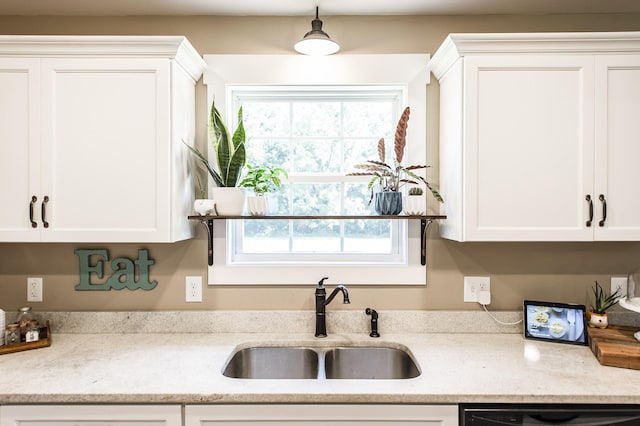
[
  {"x": 317, "y": 134},
  {"x": 310, "y": 103}
]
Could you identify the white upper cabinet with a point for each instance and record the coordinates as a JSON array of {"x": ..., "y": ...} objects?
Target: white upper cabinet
[
  {"x": 538, "y": 135},
  {"x": 91, "y": 133},
  {"x": 617, "y": 159}
]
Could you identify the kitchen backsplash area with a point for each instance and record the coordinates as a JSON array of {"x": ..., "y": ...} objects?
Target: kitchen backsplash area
[{"x": 562, "y": 272}]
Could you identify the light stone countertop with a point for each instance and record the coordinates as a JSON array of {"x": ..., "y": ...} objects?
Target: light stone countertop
[{"x": 186, "y": 368}]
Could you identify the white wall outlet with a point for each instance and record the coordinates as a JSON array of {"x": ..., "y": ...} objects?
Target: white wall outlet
[
  {"x": 474, "y": 285},
  {"x": 193, "y": 289},
  {"x": 621, "y": 283},
  {"x": 34, "y": 289}
]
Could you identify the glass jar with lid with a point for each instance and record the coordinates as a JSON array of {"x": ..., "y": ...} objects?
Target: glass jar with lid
[
  {"x": 12, "y": 334},
  {"x": 23, "y": 320}
]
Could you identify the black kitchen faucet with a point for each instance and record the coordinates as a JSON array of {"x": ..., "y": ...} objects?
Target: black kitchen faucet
[{"x": 321, "y": 305}]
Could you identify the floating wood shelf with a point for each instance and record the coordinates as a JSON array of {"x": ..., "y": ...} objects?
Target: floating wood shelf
[{"x": 425, "y": 221}]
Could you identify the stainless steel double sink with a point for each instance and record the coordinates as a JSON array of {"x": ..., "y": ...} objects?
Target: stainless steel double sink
[{"x": 307, "y": 362}]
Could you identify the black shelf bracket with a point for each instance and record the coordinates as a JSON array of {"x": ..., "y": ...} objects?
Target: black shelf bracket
[
  {"x": 425, "y": 221},
  {"x": 424, "y": 226},
  {"x": 208, "y": 224}
]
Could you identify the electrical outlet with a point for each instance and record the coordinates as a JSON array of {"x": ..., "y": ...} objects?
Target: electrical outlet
[
  {"x": 193, "y": 289},
  {"x": 34, "y": 289},
  {"x": 474, "y": 285},
  {"x": 619, "y": 283}
]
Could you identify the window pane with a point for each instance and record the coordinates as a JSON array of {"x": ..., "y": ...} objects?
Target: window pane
[
  {"x": 356, "y": 200},
  {"x": 265, "y": 236},
  {"x": 357, "y": 151},
  {"x": 367, "y": 236},
  {"x": 274, "y": 152},
  {"x": 368, "y": 118},
  {"x": 316, "y": 199},
  {"x": 266, "y": 118},
  {"x": 317, "y": 156},
  {"x": 316, "y": 119},
  {"x": 316, "y": 236}
]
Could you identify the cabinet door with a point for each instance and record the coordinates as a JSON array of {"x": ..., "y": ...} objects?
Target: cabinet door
[
  {"x": 307, "y": 415},
  {"x": 617, "y": 127},
  {"x": 106, "y": 129},
  {"x": 528, "y": 147},
  {"x": 19, "y": 148},
  {"x": 91, "y": 415}
]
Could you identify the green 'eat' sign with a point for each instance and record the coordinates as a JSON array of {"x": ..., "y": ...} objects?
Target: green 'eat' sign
[{"x": 124, "y": 271}]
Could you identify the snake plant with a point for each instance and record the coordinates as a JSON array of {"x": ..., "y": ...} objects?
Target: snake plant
[{"x": 230, "y": 151}]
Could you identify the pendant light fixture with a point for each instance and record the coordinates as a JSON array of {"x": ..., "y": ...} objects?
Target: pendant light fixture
[{"x": 316, "y": 42}]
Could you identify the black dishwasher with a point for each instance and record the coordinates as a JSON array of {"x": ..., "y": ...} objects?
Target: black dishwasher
[{"x": 549, "y": 414}]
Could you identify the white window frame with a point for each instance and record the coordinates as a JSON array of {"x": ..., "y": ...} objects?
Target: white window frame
[{"x": 409, "y": 70}]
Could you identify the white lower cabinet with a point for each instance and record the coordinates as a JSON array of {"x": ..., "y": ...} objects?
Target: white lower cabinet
[
  {"x": 338, "y": 415},
  {"x": 91, "y": 415}
]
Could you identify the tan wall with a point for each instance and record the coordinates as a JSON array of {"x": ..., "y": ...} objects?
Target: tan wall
[{"x": 544, "y": 271}]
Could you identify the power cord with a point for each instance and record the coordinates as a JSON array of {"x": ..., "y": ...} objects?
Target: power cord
[{"x": 497, "y": 320}]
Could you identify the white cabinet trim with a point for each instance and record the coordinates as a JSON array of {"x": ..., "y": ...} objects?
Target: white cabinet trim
[{"x": 456, "y": 45}]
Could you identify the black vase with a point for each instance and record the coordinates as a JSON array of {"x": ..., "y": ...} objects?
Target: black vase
[{"x": 388, "y": 203}]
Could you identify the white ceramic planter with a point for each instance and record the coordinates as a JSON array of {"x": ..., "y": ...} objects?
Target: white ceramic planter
[
  {"x": 414, "y": 205},
  {"x": 258, "y": 205},
  {"x": 229, "y": 201}
]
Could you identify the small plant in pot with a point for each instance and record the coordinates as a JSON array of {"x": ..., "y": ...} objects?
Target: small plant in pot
[
  {"x": 389, "y": 178},
  {"x": 414, "y": 203},
  {"x": 262, "y": 180},
  {"x": 597, "y": 315},
  {"x": 231, "y": 157}
]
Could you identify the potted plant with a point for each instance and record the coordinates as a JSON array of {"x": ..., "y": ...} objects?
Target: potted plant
[
  {"x": 262, "y": 180},
  {"x": 597, "y": 315},
  {"x": 391, "y": 177},
  {"x": 231, "y": 157},
  {"x": 413, "y": 204}
]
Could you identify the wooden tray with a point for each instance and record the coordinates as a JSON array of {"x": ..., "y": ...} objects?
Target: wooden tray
[
  {"x": 42, "y": 343},
  {"x": 615, "y": 346}
]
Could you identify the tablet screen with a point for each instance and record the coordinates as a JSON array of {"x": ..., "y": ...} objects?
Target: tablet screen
[{"x": 558, "y": 322}]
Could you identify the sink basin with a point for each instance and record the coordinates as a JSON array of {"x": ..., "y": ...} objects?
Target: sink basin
[
  {"x": 369, "y": 363},
  {"x": 273, "y": 363},
  {"x": 349, "y": 362}
]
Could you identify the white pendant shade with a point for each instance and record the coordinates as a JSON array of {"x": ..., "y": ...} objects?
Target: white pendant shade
[{"x": 316, "y": 41}]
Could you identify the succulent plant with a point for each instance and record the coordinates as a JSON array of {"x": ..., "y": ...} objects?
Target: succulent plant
[
  {"x": 415, "y": 191},
  {"x": 602, "y": 302}
]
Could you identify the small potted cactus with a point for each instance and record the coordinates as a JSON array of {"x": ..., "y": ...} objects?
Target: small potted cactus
[{"x": 414, "y": 203}]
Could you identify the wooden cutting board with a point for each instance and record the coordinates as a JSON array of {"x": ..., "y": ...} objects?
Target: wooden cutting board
[{"x": 615, "y": 346}]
